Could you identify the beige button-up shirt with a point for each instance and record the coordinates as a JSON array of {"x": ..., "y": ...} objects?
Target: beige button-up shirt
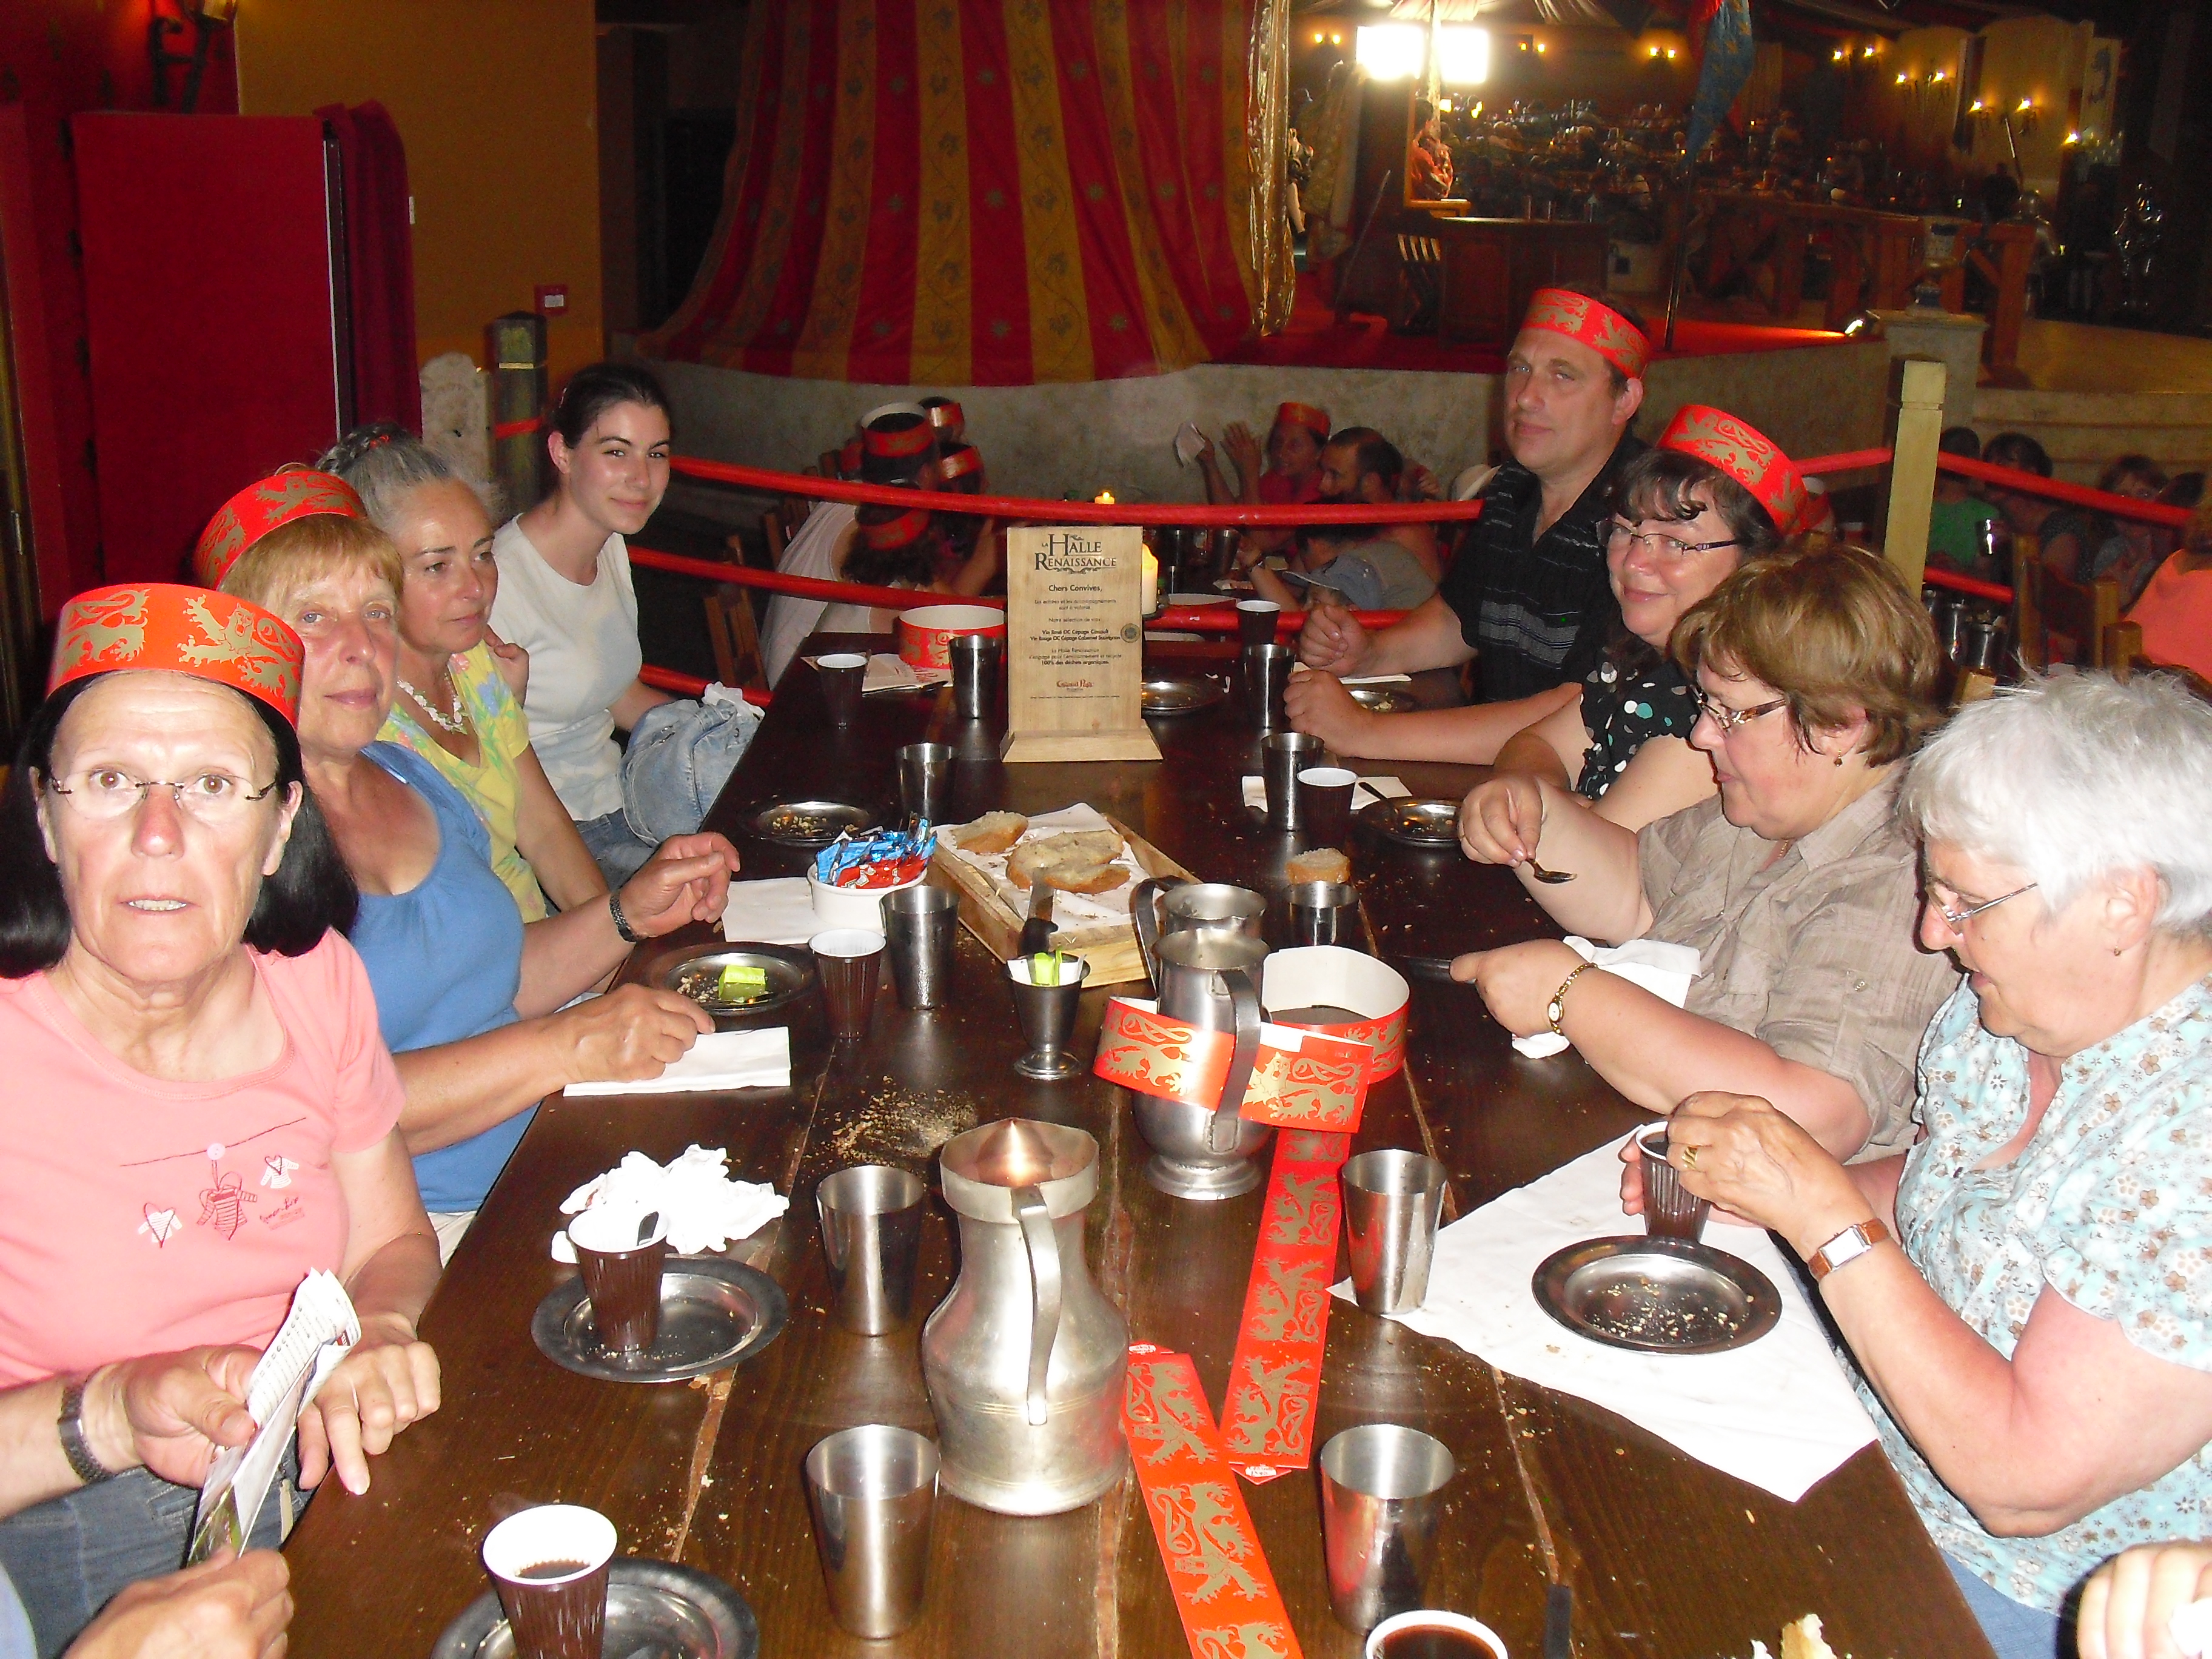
[{"x": 1815, "y": 953}]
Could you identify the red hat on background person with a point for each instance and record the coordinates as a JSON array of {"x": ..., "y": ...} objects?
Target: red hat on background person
[
  {"x": 169, "y": 627},
  {"x": 961, "y": 468},
  {"x": 1315, "y": 420},
  {"x": 289, "y": 493},
  {"x": 898, "y": 446},
  {"x": 947, "y": 417},
  {"x": 1595, "y": 323},
  {"x": 1751, "y": 458}
]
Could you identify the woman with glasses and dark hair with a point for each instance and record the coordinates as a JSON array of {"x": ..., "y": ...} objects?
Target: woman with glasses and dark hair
[
  {"x": 1813, "y": 677},
  {"x": 197, "y": 1106},
  {"x": 2025, "y": 1290}
]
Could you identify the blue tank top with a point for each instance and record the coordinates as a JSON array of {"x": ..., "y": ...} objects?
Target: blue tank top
[{"x": 446, "y": 961}]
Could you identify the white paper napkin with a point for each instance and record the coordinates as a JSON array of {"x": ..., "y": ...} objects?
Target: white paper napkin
[
  {"x": 1664, "y": 970},
  {"x": 1069, "y": 910},
  {"x": 700, "y": 1208},
  {"x": 719, "y": 1060},
  {"x": 1364, "y": 793},
  {"x": 1780, "y": 1413},
  {"x": 1359, "y": 679},
  {"x": 777, "y": 911},
  {"x": 889, "y": 671}
]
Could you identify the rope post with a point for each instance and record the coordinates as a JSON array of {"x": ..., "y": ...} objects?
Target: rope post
[
  {"x": 518, "y": 403},
  {"x": 1912, "y": 472}
]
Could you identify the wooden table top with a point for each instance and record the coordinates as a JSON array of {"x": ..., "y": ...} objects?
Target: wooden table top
[{"x": 1666, "y": 1557}]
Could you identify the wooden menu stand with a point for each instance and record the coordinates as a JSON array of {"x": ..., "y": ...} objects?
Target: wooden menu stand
[{"x": 1075, "y": 646}]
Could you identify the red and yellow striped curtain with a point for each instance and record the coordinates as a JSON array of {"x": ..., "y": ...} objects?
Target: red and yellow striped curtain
[{"x": 991, "y": 192}]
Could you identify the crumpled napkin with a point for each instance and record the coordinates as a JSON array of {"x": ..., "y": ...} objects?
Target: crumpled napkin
[
  {"x": 719, "y": 1060},
  {"x": 889, "y": 671},
  {"x": 1780, "y": 1412},
  {"x": 1364, "y": 793},
  {"x": 777, "y": 911},
  {"x": 1664, "y": 970},
  {"x": 701, "y": 1208}
]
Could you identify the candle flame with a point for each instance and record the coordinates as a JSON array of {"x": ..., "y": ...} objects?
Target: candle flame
[{"x": 1104, "y": 497}]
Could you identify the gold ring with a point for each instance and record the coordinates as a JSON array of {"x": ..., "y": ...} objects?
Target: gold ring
[{"x": 1689, "y": 1157}]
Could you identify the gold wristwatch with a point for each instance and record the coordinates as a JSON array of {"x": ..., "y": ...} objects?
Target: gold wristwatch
[{"x": 1556, "y": 1009}]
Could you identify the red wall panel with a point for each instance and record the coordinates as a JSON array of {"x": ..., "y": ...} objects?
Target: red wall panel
[{"x": 208, "y": 302}]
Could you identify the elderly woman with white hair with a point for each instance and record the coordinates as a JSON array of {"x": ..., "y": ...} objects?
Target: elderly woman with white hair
[{"x": 2028, "y": 1290}]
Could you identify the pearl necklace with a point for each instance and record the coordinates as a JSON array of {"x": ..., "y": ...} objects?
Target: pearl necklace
[{"x": 457, "y": 722}]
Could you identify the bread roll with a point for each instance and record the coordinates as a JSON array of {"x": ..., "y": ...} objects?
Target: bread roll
[
  {"x": 995, "y": 832},
  {"x": 1318, "y": 864},
  {"x": 1072, "y": 850}
]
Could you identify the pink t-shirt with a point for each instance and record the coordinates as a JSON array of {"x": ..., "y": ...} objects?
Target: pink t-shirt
[
  {"x": 2175, "y": 614},
  {"x": 143, "y": 1216}
]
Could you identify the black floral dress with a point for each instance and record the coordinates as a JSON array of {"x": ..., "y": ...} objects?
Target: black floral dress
[{"x": 1624, "y": 709}]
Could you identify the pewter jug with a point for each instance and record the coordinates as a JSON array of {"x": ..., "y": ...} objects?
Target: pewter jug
[
  {"x": 1168, "y": 905},
  {"x": 1207, "y": 979},
  {"x": 1023, "y": 1360}
]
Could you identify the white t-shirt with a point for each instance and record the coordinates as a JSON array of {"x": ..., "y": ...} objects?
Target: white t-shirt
[
  {"x": 811, "y": 552},
  {"x": 583, "y": 654}
]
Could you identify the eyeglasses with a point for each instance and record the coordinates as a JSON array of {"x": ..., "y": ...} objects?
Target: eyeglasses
[
  {"x": 1727, "y": 719},
  {"x": 1956, "y": 921},
  {"x": 105, "y": 792},
  {"x": 1662, "y": 546}
]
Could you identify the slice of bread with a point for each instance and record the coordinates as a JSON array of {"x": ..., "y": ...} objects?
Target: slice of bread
[
  {"x": 995, "y": 832},
  {"x": 1099, "y": 877},
  {"x": 1805, "y": 1640},
  {"x": 1052, "y": 856},
  {"x": 1317, "y": 864}
]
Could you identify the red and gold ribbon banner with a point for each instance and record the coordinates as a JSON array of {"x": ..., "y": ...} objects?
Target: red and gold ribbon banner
[
  {"x": 1274, "y": 1377},
  {"x": 1223, "y": 1588},
  {"x": 1304, "y": 1078}
]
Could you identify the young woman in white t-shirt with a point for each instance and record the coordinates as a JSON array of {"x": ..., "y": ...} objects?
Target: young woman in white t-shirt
[{"x": 565, "y": 595}]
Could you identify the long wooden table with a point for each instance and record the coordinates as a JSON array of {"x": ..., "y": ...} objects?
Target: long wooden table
[{"x": 1666, "y": 1557}]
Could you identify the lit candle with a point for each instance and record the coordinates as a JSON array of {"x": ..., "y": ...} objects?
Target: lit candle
[
  {"x": 1104, "y": 498},
  {"x": 1148, "y": 585}
]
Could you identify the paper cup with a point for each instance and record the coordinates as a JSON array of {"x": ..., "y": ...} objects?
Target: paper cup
[{"x": 550, "y": 1564}]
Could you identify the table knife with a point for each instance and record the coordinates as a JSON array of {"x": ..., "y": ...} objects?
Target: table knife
[{"x": 1037, "y": 930}]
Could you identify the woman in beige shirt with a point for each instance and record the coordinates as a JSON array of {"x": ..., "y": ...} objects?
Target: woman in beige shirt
[{"x": 1814, "y": 678}]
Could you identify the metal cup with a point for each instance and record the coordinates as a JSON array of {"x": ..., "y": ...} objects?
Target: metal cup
[
  {"x": 920, "y": 926},
  {"x": 851, "y": 963},
  {"x": 621, "y": 1276},
  {"x": 1256, "y": 621},
  {"x": 1379, "y": 1510},
  {"x": 974, "y": 659},
  {"x": 1670, "y": 1210},
  {"x": 1266, "y": 673},
  {"x": 871, "y": 1236},
  {"x": 843, "y": 673},
  {"x": 1324, "y": 804},
  {"x": 1393, "y": 1203},
  {"x": 1432, "y": 1633},
  {"x": 1324, "y": 911},
  {"x": 925, "y": 779},
  {"x": 1283, "y": 755},
  {"x": 873, "y": 1490},
  {"x": 1047, "y": 1013},
  {"x": 550, "y": 1564}
]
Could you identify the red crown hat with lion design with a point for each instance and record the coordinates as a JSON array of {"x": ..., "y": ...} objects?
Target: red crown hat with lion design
[
  {"x": 1314, "y": 421},
  {"x": 1746, "y": 454},
  {"x": 1593, "y": 322},
  {"x": 297, "y": 492},
  {"x": 182, "y": 630}
]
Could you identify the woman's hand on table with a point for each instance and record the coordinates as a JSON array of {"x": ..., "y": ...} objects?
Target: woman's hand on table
[
  {"x": 1502, "y": 819},
  {"x": 1518, "y": 982},
  {"x": 236, "y": 1607},
  {"x": 1749, "y": 1159},
  {"x": 1332, "y": 640},
  {"x": 2128, "y": 1603},
  {"x": 1319, "y": 703},
  {"x": 686, "y": 880},
  {"x": 630, "y": 1034},
  {"x": 389, "y": 1381},
  {"x": 170, "y": 1412}
]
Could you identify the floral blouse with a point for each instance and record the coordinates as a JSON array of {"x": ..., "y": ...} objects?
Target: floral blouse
[
  {"x": 2110, "y": 1205},
  {"x": 1624, "y": 712}
]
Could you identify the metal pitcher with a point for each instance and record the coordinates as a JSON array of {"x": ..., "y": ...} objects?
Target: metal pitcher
[
  {"x": 1023, "y": 1360},
  {"x": 1168, "y": 905},
  {"x": 1208, "y": 978}
]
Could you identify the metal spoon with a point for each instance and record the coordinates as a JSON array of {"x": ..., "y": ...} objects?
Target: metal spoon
[
  {"x": 1549, "y": 877},
  {"x": 645, "y": 1227}
]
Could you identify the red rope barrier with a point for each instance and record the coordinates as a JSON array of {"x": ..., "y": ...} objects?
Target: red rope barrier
[
  {"x": 762, "y": 480},
  {"x": 1935, "y": 576},
  {"x": 1849, "y": 460},
  {"x": 2032, "y": 484}
]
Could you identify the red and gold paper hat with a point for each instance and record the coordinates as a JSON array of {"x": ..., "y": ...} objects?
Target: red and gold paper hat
[
  {"x": 959, "y": 462},
  {"x": 1593, "y": 322},
  {"x": 899, "y": 445},
  {"x": 1314, "y": 421},
  {"x": 946, "y": 417},
  {"x": 899, "y": 532},
  {"x": 1746, "y": 454},
  {"x": 297, "y": 492},
  {"x": 184, "y": 630}
]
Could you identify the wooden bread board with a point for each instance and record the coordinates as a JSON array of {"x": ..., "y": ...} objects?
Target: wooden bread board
[{"x": 1110, "y": 948}]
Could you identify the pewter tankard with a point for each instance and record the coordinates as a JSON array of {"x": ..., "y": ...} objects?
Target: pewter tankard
[
  {"x": 1023, "y": 1360},
  {"x": 1167, "y": 904},
  {"x": 1208, "y": 980}
]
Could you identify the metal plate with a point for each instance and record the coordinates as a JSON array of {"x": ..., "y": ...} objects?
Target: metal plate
[
  {"x": 1382, "y": 700},
  {"x": 803, "y": 823},
  {"x": 1182, "y": 695},
  {"x": 1429, "y": 824},
  {"x": 655, "y": 1610},
  {"x": 694, "y": 971},
  {"x": 1657, "y": 1295},
  {"x": 714, "y": 1314}
]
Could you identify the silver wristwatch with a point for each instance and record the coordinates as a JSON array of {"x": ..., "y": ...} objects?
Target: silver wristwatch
[
  {"x": 1848, "y": 1245},
  {"x": 74, "y": 1447}
]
